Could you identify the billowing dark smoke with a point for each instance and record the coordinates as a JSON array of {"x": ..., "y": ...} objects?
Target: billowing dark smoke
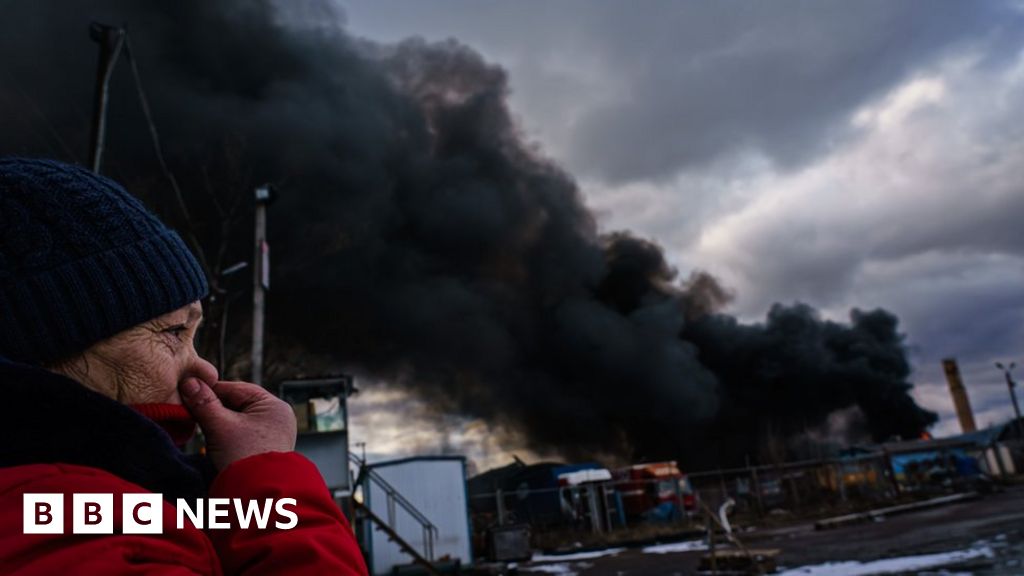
[{"x": 418, "y": 239}]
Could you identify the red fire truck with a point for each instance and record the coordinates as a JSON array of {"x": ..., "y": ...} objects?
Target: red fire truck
[{"x": 655, "y": 489}]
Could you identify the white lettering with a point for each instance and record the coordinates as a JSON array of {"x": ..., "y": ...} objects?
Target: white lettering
[
  {"x": 280, "y": 508},
  {"x": 218, "y": 508},
  {"x": 253, "y": 510},
  {"x": 144, "y": 513},
  {"x": 196, "y": 518}
]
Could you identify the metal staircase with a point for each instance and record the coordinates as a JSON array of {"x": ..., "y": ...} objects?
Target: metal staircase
[{"x": 394, "y": 500}]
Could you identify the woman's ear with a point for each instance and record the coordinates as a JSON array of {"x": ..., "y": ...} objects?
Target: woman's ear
[
  {"x": 80, "y": 369},
  {"x": 75, "y": 367}
]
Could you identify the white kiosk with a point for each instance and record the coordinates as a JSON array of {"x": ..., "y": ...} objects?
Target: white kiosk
[{"x": 321, "y": 414}]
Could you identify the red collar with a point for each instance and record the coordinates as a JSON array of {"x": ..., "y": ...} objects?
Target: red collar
[{"x": 173, "y": 418}]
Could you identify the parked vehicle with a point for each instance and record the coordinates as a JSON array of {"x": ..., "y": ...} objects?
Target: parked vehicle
[{"x": 655, "y": 491}]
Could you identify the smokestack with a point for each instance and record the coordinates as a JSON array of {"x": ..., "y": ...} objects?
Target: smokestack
[{"x": 959, "y": 393}]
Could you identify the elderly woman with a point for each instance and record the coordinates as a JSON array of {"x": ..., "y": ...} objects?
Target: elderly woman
[{"x": 99, "y": 307}]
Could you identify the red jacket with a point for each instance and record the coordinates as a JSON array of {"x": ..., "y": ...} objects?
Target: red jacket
[{"x": 52, "y": 448}]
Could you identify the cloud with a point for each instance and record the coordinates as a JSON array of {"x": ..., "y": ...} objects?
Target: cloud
[
  {"x": 934, "y": 169},
  {"x": 627, "y": 92},
  {"x": 394, "y": 423},
  {"x": 918, "y": 212}
]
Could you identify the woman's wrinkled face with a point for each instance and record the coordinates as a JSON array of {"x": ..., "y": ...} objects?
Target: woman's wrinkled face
[{"x": 145, "y": 364}]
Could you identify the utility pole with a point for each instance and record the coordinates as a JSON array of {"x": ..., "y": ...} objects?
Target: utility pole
[
  {"x": 111, "y": 40},
  {"x": 1013, "y": 395},
  {"x": 260, "y": 279}
]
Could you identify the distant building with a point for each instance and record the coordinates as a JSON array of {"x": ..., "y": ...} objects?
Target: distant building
[
  {"x": 994, "y": 451},
  {"x": 536, "y": 494},
  {"x": 430, "y": 488}
]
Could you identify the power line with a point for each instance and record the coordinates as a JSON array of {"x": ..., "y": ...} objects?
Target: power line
[
  {"x": 42, "y": 115},
  {"x": 158, "y": 149}
]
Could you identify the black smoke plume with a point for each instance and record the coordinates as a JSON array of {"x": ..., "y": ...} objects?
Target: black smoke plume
[{"x": 418, "y": 239}]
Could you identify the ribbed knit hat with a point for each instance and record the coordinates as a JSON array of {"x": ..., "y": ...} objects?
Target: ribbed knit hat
[{"x": 80, "y": 261}]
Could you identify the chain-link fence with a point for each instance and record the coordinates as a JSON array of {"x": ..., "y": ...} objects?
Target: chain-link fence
[
  {"x": 618, "y": 509},
  {"x": 796, "y": 487},
  {"x": 589, "y": 513}
]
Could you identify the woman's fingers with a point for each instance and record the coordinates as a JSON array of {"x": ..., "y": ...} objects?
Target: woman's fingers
[
  {"x": 200, "y": 400},
  {"x": 239, "y": 419},
  {"x": 240, "y": 395}
]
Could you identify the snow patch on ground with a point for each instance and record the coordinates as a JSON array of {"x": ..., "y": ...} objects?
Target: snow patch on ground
[
  {"x": 564, "y": 569},
  {"x": 891, "y": 565},
  {"x": 576, "y": 556},
  {"x": 688, "y": 546}
]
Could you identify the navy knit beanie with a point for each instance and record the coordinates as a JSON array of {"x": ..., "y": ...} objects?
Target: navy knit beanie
[{"x": 80, "y": 261}]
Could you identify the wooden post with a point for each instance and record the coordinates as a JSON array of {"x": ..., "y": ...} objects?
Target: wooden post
[
  {"x": 892, "y": 472},
  {"x": 111, "y": 41},
  {"x": 260, "y": 280},
  {"x": 795, "y": 491},
  {"x": 723, "y": 491},
  {"x": 595, "y": 511},
  {"x": 499, "y": 498},
  {"x": 840, "y": 481},
  {"x": 756, "y": 482}
]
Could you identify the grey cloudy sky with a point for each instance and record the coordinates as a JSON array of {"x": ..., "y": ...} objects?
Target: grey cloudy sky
[{"x": 838, "y": 153}]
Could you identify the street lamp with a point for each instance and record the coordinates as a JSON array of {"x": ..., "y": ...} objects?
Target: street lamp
[{"x": 1013, "y": 394}]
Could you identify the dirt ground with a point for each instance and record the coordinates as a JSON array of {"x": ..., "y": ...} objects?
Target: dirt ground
[{"x": 995, "y": 521}]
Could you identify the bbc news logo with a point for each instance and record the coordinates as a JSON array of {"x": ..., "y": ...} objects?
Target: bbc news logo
[{"x": 144, "y": 513}]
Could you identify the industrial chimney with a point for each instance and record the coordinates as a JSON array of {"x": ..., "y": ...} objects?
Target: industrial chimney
[{"x": 959, "y": 393}]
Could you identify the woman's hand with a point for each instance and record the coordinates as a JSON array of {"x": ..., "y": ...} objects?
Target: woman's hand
[{"x": 239, "y": 419}]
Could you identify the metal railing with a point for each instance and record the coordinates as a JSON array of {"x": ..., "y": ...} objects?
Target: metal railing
[{"x": 394, "y": 501}]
